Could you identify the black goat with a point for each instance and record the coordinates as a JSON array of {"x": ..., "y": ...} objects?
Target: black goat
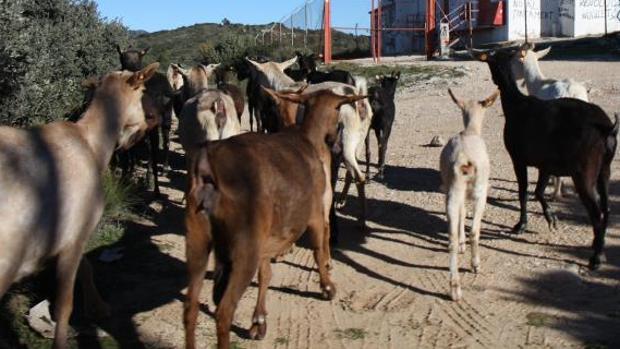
[
  {"x": 337, "y": 75},
  {"x": 383, "y": 112},
  {"x": 307, "y": 64},
  {"x": 161, "y": 94},
  {"x": 562, "y": 137},
  {"x": 253, "y": 91}
]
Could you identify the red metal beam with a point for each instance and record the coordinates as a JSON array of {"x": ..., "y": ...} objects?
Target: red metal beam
[
  {"x": 379, "y": 29},
  {"x": 431, "y": 29},
  {"x": 327, "y": 29}
]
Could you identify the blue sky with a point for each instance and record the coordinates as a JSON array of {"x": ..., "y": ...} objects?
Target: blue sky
[{"x": 154, "y": 15}]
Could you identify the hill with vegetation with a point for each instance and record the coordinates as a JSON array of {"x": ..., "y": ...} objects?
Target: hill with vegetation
[{"x": 208, "y": 42}]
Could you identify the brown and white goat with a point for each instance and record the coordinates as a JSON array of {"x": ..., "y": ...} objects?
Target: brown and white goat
[
  {"x": 195, "y": 79},
  {"x": 208, "y": 116},
  {"x": 465, "y": 168},
  {"x": 251, "y": 197},
  {"x": 355, "y": 120},
  {"x": 51, "y": 185}
]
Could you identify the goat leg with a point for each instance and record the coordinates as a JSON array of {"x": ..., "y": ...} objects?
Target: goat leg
[
  {"x": 383, "y": 144},
  {"x": 585, "y": 189},
  {"x": 521, "y": 173},
  {"x": 197, "y": 250},
  {"x": 367, "y": 146},
  {"x": 96, "y": 307},
  {"x": 68, "y": 263},
  {"x": 454, "y": 202},
  {"x": 539, "y": 193},
  {"x": 342, "y": 198},
  {"x": 259, "y": 319}
]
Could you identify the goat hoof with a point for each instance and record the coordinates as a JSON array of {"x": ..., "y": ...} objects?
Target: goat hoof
[
  {"x": 328, "y": 292},
  {"x": 461, "y": 248},
  {"x": 519, "y": 228},
  {"x": 379, "y": 177},
  {"x": 595, "y": 262},
  {"x": 99, "y": 311},
  {"x": 456, "y": 293},
  {"x": 475, "y": 269},
  {"x": 258, "y": 331}
]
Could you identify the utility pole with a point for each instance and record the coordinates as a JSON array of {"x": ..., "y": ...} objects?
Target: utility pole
[
  {"x": 525, "y": 14},
  {"x": 605, "y": 4},
  {"x": 306, "y": 23}
]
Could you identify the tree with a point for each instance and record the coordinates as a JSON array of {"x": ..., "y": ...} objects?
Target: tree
[
  {"x": 46, "y": 49},
  {"x": 225, "y": 22}
]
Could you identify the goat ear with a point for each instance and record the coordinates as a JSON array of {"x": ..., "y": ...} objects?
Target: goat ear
[
  {"x": 349, "y": 99},
  {"x": 542, "y": 53},
  {"x": 138, "y": 78},
  {"x": 145, "y": 51},
  {"x": 480, "y": 55},
  {"x": 90, "y": 83},
  {"x": 255, "y": 64},
  {"x": 487, "y": 103},
  {"x": 287, "y": 64},
  {"x": 456, "y": 100}
]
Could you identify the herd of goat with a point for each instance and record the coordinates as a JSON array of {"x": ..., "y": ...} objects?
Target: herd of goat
[{"x": 250, "y": 196}]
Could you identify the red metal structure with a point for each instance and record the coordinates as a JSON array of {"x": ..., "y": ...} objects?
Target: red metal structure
[{"x": 327, "y": 29}]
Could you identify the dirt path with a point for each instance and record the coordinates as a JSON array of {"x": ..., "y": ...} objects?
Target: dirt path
[{"x": 534, "y": 290}]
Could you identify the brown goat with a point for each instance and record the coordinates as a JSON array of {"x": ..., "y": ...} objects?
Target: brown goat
[{"x": 251, "y": 197}]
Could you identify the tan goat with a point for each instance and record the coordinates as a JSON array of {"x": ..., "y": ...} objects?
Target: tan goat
[
  {"x": 465, "y": 171},
  {"x": 51, "y": 185}
]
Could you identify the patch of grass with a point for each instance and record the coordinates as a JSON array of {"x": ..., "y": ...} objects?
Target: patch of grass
[
  {"x": 281, "y": 341},
  {"x": 235, "y": 345},
  {"x": 595, "y": 346},
  {"x": 537, "y": 319},
  {"x": 351, "y": 333},
  {"x": 410, "y": 74},
  {"x": 120, "y": 199}
]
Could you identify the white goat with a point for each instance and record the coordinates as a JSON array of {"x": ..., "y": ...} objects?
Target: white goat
[
  {"x": 51, "y": 185},
  {"x": 271, "y": 75},
  {"x": 465, "y": 168},
  {"x": 525, "y": 66},
  {"x": 208, "y": 116}
]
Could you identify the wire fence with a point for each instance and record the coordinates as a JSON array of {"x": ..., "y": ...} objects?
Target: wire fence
[{"x": 302, "y": 28}]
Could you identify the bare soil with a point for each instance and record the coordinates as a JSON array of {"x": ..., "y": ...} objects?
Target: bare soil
[{"x": 534, "y": 290}]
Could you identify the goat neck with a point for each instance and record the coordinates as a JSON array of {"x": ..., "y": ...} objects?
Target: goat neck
[
  {"x": 532, "y": 73},
  {"x": 503, "y": 77},
  {"x": 103, "y": 121}
]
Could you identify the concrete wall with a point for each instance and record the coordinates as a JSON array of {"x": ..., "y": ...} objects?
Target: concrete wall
[
  {"x": 516, "y": 19},
  {"x": 590, "y": 17}
]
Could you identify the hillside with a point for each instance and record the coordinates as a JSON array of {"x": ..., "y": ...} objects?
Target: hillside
[{"x": 184, "y": 44}]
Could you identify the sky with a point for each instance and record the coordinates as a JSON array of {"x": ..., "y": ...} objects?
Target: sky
[{"x": 155, "y": 15}]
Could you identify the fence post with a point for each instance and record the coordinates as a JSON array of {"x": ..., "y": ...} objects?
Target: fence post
[
  {"x": 292, "y": 33},
  {"x": 373, "y": 50},
  {"x": 280, "y": 30},
  {"x": 605, "y": 4},
  {"x": 327, "y": 29},
  {"x": 471, "y": 24},
  {"x": 306, "y": 23},
  {"x": 525, "y": 14}
]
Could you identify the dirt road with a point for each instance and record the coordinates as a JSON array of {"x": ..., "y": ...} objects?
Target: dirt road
[{"x": 534, "y": 290}]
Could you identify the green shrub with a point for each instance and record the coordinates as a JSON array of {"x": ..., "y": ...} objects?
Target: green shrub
[{"x": 46, "y": 49}]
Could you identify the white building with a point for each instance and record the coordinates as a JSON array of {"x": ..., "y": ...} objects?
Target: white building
[{"x": 545, "y": 18}]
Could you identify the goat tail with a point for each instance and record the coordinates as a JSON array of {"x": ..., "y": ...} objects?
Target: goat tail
[
  {"x": 612, "y": 138},
  {"x": 464, "y": 166},
  {"x": 614, "y": 130},
  {"x": 204, "y": 190},
  {"x": 221, "y": 277},
  {"x": 361, "y": 85}
]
